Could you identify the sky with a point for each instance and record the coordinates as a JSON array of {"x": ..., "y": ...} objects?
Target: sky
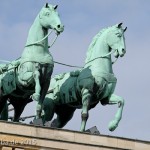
[{"x": 82, "y": 21}]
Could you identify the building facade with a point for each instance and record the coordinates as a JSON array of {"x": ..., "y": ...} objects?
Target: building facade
[{"x": 16, "y": 136}]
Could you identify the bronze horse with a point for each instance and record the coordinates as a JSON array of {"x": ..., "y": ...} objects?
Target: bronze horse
[
  {"x": 30, "y": 75},
  {"x": 85, "y": 88}
]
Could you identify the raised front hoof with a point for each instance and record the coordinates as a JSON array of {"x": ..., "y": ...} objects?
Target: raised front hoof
[
  {"x": 112, "y": 125},
  {"x": 35, "y": 97}
]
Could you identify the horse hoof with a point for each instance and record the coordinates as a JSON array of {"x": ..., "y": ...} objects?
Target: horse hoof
[
  {"x": 112, "y": 125},
  {"x": 36, "y": 97}
]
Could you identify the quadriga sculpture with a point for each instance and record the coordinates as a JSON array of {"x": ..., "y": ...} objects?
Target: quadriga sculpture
[
  {"x": 85, "y": 88},
  {"x": 31, "y": 74}
]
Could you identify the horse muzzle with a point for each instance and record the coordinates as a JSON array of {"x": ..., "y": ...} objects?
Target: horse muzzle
[
  {"x": 122, "y": 52},
  {"x": 59, "y": 29}
]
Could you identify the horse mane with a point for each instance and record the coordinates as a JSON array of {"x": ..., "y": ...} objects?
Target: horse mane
[{"x": 94, "y": 40}]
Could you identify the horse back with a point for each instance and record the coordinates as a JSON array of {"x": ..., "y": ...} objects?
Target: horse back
[{"x": 64, "y": 88}]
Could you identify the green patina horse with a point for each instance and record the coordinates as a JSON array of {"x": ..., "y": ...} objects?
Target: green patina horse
[
  {"x": 30, "y": 74},
  {"x": 85, "y": 88}
]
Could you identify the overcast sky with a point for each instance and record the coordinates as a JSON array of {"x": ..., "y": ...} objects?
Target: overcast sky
[{"x": 83, "y": 19}]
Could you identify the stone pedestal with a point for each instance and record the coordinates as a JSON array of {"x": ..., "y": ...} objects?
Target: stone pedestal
[{"x": 15, "y": 136}]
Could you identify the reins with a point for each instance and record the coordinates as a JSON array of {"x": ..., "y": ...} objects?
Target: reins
[
  {"x": 34, "y": 43},
  {"x": 67, "y": 65},
  {"x": 103, "y": 56}
]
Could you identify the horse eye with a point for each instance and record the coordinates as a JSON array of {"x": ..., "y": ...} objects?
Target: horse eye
[
  {"x": 118, "y": 34},
  {"x": 47, "y": 14}
]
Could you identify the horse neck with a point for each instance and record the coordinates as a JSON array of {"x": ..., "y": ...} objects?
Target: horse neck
[
  {"x": 37, "y": 52},
  {"x": 36, "y": 32},
  {"x": 100, "y": 64}
]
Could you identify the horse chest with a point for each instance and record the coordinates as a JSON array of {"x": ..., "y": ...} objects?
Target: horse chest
[
  {"x": 105, "y": 85},
  {"x": 38, "y": 56}
]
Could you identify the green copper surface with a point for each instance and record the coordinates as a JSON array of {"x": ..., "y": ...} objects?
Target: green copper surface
[
  {"x": 31, "y": 74},
  {"x": 87, "y": 87}
]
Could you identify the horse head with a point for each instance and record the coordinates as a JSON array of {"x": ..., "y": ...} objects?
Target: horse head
[
  {"x": 49, "y": 18},
  {"x": 116, "y": 40}
]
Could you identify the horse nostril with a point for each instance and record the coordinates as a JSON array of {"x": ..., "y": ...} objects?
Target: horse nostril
[
  {"x": 124, "y": 51},
  {"x": 58, "y": 26}
]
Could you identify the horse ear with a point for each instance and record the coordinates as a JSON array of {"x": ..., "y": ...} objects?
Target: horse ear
[
  {"x": 46, "y": 5},
  {"x": 119, "y": 25},
  {"x": 125, "y": 29},
  {"x": 55, "y": 7}
]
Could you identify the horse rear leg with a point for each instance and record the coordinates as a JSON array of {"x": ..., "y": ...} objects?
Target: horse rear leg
[
  {"x": 18, "y": 111},
  {"x": 48, "y": 107},
  {"x": 86, "y": 97},
  {"x": 64, "y": 114},
  {"x": 114, "y": 99},
  {"x": 4, "y": 113},
  {"x": 3, "y": 101}
]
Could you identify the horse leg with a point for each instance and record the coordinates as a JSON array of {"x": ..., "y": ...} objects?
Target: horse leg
[
  {"x": 45, "y": 85},
  {"x": 48, "y": 107},
  {"x": 3, "y": 101},
  {"x": 86, "y": 96},
  {"x": 36, "y": 95},
  {"x": 4, "y": 113},
  {"x": 64, "y": 114},
  {"x": 18, "y": 111},
  {"x": 39, "y": 105},
  {"x": 114, "y": 99}
]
